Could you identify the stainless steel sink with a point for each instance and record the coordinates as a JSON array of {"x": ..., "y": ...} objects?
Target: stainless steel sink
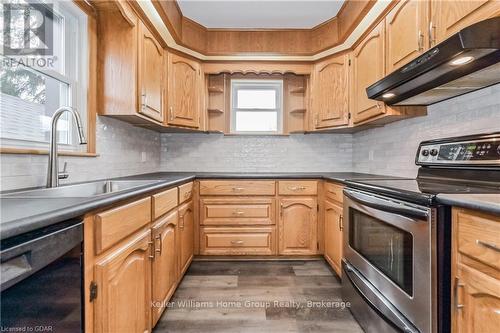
[{"x": 83, "y": 190}]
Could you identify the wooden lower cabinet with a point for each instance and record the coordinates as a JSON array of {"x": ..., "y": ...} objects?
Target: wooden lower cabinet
[
  {"x": 298, "y": 226},
  {"x": 165, "y": 262},
  {"x": 124, "y": 280},
  {"x": 333, "y": 216},
  {"x": 186, "y": 236},
  {"x": 477, "y": 302},
  {"x": 475, "y": 272}
]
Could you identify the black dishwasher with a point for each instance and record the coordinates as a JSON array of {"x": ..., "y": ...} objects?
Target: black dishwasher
[{"x": 41, "y": 280}]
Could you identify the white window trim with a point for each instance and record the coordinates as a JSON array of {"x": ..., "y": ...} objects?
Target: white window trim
[
  {"x": 75, "y": 75},
  {"x": 276, "y": 85}
]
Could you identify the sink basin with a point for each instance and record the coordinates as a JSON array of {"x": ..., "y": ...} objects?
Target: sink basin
[{"x": 83, "y": 190}]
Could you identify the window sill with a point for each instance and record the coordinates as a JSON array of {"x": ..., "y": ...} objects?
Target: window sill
[{"x": 7, "y": 150}]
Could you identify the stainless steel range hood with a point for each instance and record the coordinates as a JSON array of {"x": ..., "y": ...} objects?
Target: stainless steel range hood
[{"x": 467, "y": 61}]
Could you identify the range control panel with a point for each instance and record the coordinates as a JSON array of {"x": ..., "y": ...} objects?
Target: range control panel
[{"x": 481, "y": 150}]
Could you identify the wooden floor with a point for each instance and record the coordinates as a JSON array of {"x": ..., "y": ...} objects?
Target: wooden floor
[{"x": 272, "y": 296}]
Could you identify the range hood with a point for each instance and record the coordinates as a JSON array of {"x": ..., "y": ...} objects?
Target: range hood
[{"x": 467, "y": 61}]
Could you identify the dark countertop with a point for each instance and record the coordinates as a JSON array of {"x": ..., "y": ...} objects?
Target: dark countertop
[
  {"x": 488, "y": 203},
  {"x": 21, "y": 215}
]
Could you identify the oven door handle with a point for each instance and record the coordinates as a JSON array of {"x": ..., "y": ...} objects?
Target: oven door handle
[
  {"x": 376, "y": 300},
  {"x": 386, "y": 205}
]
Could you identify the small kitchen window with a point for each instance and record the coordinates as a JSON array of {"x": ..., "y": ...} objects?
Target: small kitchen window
[
  {"x": 33, "y": 86},
  {"x": 256, "y": 106}
]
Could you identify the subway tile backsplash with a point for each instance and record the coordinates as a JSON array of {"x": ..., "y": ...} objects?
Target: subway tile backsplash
[
  {"x": 294, "y": 153},
  {"x": 386, "y": 150}
]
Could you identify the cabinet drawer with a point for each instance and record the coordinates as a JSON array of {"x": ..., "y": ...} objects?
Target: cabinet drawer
[
  {"x": 334, "y": 192},
  {"x": 237, "y": 187},
  {"x": 164, "y": 202},
  {"x": 479, "y": 237},
  {"x": 237, "y": 241},
  {"x": 298, "y": 187},
  {"x": 237, "y": 211},
  {"x": 113, "y": 225},
  {"x": 185, "y": 192}
]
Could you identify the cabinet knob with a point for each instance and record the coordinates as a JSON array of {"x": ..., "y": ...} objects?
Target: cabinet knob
[
  {"x": 171, "y": 112},
  {"x": 237, "y": 242},
  {"x": 238, "y": 189},
  {"x": 238, "y": 213}
]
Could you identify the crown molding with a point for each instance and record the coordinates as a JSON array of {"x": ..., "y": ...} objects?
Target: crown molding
[{"x": 335, "y": 35}]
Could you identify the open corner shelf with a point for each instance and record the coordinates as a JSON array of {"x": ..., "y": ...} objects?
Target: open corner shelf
[
  {"x": 300, "y": 90},
  {"x": 298, "y": 111},
  {"x": 215, "y": 110},
  {"x": 215, "y": 90}
]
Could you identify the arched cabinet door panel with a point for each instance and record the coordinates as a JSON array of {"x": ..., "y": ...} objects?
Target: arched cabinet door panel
[
  {"x": 184, "y": 86},
  {"x": 297, "y": 226}
]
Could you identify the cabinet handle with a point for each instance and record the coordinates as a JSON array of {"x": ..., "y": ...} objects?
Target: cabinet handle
[
  {"x": 281, "y": 209},
  {"x": 296, "y": 188},
  {"x": 490, "y": 246},
  {"x": 171, "y": 112},
  {"x": 239, "y": 213},
  {"x": 432, "y": 39},
  {"x": 238, "y": 189},
  {"x": 151, "y": 246},
  {"x": 181, "y": 219},
  {"x": 457, "y": 285},
  {"x": 187, "y": 194},
  {"x": 420, "y": 41},
  {"x": 341, "y": 222},
  {"x": 378, "y": 105},
  {"x": 161, "y": 244},
  {"x": 144, "y": 100},
  {"x": 237, "y": 242}
]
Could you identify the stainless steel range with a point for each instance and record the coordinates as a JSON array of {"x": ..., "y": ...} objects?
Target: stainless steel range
[{"x": 397, "y": 237}]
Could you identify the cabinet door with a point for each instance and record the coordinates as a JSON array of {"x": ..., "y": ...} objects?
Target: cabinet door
[
  {"x": 406, "y": 31},
  {"x": 368, "y": 68},
  {"x": 123, "y": 279},
  {"x": 186, "y": 231},
  {"x": 333, "y": 235},
  {"x": 448, "y": 17},
  {"x": 150, "y": 84},
  {"x": 330, "y": 100},
  {"x": 477, "y": 301},
  {"x": 165, "y": 263},
  {"x": 183, "y": 92},
  {"x": 297, "y": 226}
]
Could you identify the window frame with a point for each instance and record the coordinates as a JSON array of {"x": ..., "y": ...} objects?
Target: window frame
[
  {"x": 83, "y": 91},
  {"x": 257, "y": 84}
]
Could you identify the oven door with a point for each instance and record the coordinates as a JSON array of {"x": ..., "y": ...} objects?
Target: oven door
[{"x": 389, "y": 243}]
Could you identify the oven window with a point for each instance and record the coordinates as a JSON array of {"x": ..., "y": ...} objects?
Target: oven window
[{"x": 386, "y": 247}]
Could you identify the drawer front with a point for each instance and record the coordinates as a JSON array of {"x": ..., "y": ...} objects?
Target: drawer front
[
  {"x": 237, "y": 187},
  {"x": 236, "y": 211},
  {"x": 298, "y": 187},
  {"x": 113, "y": 225},
  {"x": 185, "y": 192},
  {"x": 479, "y": 237},
  {"x": 238, "y": 241},
  {"x": 334, "y": 192},
  {"x": 164, "y": 202}
]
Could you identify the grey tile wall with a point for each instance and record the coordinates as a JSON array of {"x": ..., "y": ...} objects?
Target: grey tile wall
[
  {"x": 123, "y": 150},
  {"x": 294, "y": 153},
  {"x": 391, "y": 149}
]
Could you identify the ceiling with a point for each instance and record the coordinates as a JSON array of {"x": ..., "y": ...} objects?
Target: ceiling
[{"x": 260, "y": 14}]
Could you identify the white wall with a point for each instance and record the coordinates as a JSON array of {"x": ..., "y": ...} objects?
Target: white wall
[
  {"x": 294, "y": 153},
  {"x": 390, "y": 150},
  {"x": 119, "y": 145}
]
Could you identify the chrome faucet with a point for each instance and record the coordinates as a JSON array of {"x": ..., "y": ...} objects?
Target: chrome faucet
[{"x": 53, "y": 174}]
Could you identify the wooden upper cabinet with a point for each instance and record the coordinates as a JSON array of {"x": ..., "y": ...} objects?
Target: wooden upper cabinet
[
  {"x": 123, "y": 279},
  {"x": 333, "y": 235},
  {"x": 186, "y": 235},
  {"x": 165, "y": 263},
  {"x": 330, "y": 93},
  {"x": 367, "y": 68},
  {"x": 184, "y": 89},
  {"x": 298, "y": 226},
  {"x": 449, "y": 17},
  {"x": 406, "y": 27},
  {"x": 150, "y": 83}
]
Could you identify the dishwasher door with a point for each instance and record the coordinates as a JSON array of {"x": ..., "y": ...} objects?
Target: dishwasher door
[{"x": 41, "y": 282}]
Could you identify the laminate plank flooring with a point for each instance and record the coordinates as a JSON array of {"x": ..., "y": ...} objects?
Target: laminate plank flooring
[{"x": 258, "y": 296}]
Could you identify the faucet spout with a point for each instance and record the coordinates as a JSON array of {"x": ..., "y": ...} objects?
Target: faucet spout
[{"x": 53, "y": 170}]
